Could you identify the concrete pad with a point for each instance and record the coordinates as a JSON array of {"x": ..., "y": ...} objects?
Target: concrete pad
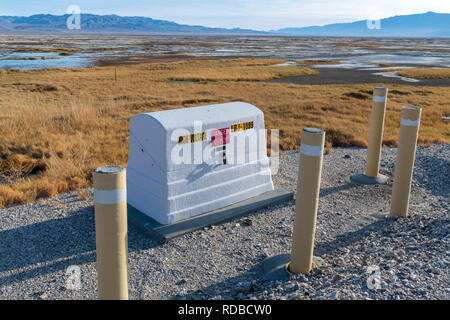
[
  {"x": 163, "y": 233},
  {"x": 274, "y": 268},
  {"x": 363, "y": 179}
]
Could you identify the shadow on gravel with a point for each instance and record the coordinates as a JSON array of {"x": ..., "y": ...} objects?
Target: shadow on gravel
[
  {"x": 436, "y": 175},
  {"x": 54, "y": 245},
  {"x": 339, "y": 242},
  {"x": 326, "y": 191},
  {"x": 390, "y": 228},
  {"x": 224, "y": 288},
  {"x": 382, "y": 227}
]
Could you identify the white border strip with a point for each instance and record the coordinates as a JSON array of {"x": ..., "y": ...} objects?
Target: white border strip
[
  {"x": 410, "y": 123},
  {"x": 313, "y": 151},
  {"x": 379, "y": 98},
  {"x": 110, "y": 196}
]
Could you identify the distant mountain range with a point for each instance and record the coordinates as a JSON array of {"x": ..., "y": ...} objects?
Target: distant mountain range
[
  {"x": 428, "y": 24},
  {"x": 91, "y": 23}
]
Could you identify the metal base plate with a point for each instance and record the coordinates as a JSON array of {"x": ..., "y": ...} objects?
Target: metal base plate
[
  {"x": 163, "y": 233},
  {"x": 275, "y": 268},
  {"x": 363, "y": 179}
]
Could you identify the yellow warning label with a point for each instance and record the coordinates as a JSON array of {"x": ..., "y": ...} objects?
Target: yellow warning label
[
  {"x": 242, "y": 126},
  {"x": 194, "y": 137}
]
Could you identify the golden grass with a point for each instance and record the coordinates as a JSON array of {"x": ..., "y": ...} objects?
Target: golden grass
[
  {"x": 57, "y": 125},
  {"x": 231, "y": 70},
  {"x": 425, "y": 73}
]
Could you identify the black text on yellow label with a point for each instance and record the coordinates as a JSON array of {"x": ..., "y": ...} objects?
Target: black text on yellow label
[
  {"x": 242, "y": 126},
  {"x": 194, "y": 137}
]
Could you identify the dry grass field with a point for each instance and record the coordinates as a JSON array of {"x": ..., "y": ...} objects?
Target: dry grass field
[
  {"x": 56, "y": 125},
  {"x": 425, "y": 73}
]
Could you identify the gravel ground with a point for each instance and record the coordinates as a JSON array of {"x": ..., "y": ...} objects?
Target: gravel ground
[{"x": 39, "y": 241}]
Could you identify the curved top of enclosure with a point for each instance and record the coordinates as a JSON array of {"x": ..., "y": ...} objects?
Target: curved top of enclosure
[{"x": 185, "y": 117}]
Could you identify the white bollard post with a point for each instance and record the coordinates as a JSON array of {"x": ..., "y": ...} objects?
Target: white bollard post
[
  {"x": 308, "y": 187},
  {"x": 110, "y": 199},
  {"x": 372, "y": 175},
  {"x": 406, "y": 153}
]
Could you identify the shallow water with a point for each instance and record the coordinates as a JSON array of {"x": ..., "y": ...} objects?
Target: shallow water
[
  {"x": 18, "y": 60},
  {"x": 352, "y": 52},
  {"x": 395, "y": 75}
]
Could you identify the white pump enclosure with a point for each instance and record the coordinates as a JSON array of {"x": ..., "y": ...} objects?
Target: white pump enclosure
[{"x": 189, "y": 161}]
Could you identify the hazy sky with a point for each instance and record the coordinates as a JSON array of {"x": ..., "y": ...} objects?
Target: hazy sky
[{"x": 254, "y": 14}]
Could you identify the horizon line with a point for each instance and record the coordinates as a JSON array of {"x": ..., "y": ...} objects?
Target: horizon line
[{"x": 229, "y": 28}]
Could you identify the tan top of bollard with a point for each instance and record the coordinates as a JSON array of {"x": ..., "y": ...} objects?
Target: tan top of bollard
[
  {"x": 313, "y": 130},
  {"x": 109, "y": 178},
  {"x": 312, "y": 137},
  {"x": 109, "y": 169},
  {"x": 379, "y": 94},
  {"x": 379, "y": 97},
  {"x": 411, "y": 113}
]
